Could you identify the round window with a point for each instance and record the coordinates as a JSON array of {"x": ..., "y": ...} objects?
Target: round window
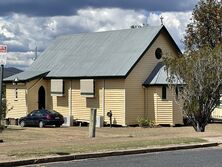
[{"x": 158, "y": 53}]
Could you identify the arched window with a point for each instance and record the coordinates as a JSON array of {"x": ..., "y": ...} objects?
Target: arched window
[{"x": 41, "y": 98}]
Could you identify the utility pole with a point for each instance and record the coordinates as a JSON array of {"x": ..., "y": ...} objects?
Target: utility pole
[
  {"x": 1, "y": 90},
  {"x": 36, "y": 53},
  {"x": 3, "y": 51}
]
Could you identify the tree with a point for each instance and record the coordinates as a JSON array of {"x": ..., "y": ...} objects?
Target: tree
[
  {"x": 200, "y": 68},
  {"x": 201, "y": 71},
  {"x": 205, "y": 27}
]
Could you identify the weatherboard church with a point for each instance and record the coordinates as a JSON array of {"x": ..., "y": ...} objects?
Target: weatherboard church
[{"x": 118, "y": 71}]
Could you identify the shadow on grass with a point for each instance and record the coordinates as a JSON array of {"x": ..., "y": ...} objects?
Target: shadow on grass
[
  {"x": 216, "y": 122},
  {"x": 62, "y": 153},
  {"x": 23, "y": 128},
  {"x": 12, "y": 129}
]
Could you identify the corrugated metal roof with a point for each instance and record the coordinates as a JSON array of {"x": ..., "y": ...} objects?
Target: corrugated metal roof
[
  {"x": 110, "y": 53},
  {"x": 90, "y": 55},
  {"x": 159, "y": 76}
]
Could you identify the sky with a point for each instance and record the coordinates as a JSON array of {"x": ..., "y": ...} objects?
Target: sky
[{"x": 25, "y": 24}]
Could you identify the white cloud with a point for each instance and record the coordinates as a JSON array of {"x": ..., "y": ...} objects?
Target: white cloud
[
  {"x": 109, "y": 19},
  {"x": 21, "y": 59},
  {"x": 22, "y": 33}
]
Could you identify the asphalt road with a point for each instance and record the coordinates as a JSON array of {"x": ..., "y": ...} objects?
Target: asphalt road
[{"x": 210, "y": 157}]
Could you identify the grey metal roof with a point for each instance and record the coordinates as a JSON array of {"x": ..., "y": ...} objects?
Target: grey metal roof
[
  {"x": 159, "y": 76},
  {"x": 100, "y": 54}
]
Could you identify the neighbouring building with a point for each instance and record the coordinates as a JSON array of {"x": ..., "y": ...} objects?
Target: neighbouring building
[
  {"x": 9, "y": 71},
  {"x": 117, "y": 70}
]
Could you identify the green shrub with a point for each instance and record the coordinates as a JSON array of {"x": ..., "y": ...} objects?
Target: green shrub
[
  {"x": 144, "y": 122},
  {"x": 1, "y": 128}
]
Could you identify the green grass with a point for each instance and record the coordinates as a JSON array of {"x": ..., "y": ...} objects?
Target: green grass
[{"x": 101, "y": 147}]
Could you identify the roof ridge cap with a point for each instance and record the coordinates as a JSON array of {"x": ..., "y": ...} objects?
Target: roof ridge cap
[{"x": 95, "y": 32}]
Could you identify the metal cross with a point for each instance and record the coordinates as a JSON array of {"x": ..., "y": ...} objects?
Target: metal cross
[{"x": 161, "y": 19}]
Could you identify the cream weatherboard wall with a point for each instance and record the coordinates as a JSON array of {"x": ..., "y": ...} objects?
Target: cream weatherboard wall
[
  {"x": 32, "y": 94},
  {"x": 163, "y": 111},
  {"x": 115, "y": 100},
  {"x": 79, "y": 105},
  {"x": 61, "y": 103},
  {"x": 17, "y": 106},
  {"x": 150, "y": 105},
  {"x": 135, "y": 93},
  {"x": 27, "y": 100},
  {"x": 164, "y": 107},
  {"x": 109, "y": 95}
]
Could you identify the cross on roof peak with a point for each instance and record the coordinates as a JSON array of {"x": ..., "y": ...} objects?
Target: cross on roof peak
[{"x": 161, "y": 19}]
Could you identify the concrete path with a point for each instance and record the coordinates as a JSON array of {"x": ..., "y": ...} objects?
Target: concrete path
[{"x": 214, "y": 139}]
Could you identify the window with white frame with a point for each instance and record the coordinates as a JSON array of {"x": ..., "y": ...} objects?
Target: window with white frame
[{"x": 16, "y": 94}]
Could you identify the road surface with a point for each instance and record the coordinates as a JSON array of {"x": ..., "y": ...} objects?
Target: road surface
[{"x": 208, "y": 157}]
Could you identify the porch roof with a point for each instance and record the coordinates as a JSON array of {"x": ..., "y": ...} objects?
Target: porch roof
[{"x": 159, "y": 77}]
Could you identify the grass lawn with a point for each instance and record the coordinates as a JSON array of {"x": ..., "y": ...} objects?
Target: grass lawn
[{"x": 20, "y": 143}]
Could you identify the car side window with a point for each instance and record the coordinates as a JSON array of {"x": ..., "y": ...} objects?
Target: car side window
[
  {"x": 31, "y": 114},
  {"x": 38, "y": 113},
  {"x": 43, "y": 113}
]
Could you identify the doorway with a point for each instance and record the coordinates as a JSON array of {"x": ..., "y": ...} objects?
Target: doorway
[{"x": 41, "y": 99}]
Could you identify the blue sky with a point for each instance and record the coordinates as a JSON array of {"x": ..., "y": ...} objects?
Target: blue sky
[{"x": 25, "y": 24}]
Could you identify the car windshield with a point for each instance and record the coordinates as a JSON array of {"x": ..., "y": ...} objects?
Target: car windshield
[
  {"x": 54, "y": 112},
  {"x": 31, "y": 113},
  {"x": 44, "y": 111}
]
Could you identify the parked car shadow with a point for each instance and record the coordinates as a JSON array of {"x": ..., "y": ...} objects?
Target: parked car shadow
[{"x": 13, "y": 129}]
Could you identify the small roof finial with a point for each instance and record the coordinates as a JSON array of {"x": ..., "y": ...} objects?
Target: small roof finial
[
  {"x": 36, "y": 52},
  {"x": 161, "y": 19}
]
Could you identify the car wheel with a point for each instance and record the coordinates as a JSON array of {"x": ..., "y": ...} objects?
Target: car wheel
[
  {"x": 57, "y": 125},
  {"x": 22, "y": 123},
  {"x": 41, "y": 124}
]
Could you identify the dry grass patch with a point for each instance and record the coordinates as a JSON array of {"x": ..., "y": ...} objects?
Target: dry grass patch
[
  {"x": 100, "y": 147},
  {"x": 35, "y": 142}
]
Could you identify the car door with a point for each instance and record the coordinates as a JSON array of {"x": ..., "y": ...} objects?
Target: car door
[
  {"x": 29, "y": 120},
  {"x": 37, "y": 117}
]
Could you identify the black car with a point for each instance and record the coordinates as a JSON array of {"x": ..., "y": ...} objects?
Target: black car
[{"x": 41, "y": 118}]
